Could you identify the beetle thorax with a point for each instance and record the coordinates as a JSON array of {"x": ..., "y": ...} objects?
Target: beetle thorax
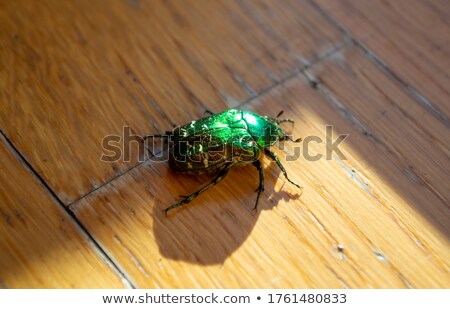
[{"x": 265, "y": 130}]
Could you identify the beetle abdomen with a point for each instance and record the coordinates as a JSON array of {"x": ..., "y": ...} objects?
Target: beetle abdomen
[
  {"x": 199, "y": 163},
  {"x": 212, "y": 160}
]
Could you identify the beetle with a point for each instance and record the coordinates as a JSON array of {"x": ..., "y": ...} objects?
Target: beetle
[{"x": 216, "y": 143}]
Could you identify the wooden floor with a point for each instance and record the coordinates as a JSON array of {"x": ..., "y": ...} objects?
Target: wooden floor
[{"x": 73, "y": 72}]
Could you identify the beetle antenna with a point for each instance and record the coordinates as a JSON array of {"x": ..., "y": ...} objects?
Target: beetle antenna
[
  {"x": 285, "y": 120},
  {"x": 208, "y": 112},
  {"x": 279, "y": 114}
]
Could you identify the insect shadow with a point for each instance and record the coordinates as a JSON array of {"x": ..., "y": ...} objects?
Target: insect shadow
[{"x": 208, "y": 231}]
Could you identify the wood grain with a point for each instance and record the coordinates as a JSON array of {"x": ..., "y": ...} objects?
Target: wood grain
[
  {"x": 411, "y": 40},
  {"x": 72, "y": 72},
  {"x": 412, "y": 138},
  {"x": 41, "y": 246},
  {"x": 80, "y": 70}
]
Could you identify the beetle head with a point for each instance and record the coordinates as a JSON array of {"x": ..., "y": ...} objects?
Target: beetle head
[
  {"x": 279, "y": 132},
  {"x": 265, "y": 130}
]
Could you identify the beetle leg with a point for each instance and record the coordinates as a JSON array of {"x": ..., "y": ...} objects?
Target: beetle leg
[
  {"x": 274, "y": 156},
  {"x": 260, "y": 189},
  {"x": 215, "y": 181},
  {"x": 167, "y": 134},
  {"x": 287, "y": 137}
]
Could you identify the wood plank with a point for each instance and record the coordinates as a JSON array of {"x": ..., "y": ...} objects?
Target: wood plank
[
  {"x": 41, "y": 246},
  {"x": 73, "y": 72},
  {"x": 361, "y": 222},
  {"x": 393, "y": 119},
  {"x": 410, "y": 38}
]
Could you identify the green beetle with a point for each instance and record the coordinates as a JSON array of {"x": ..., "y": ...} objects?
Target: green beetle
[{"x": 218, "y": 142}]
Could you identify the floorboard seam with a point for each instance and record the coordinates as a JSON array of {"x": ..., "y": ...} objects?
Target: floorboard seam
[
  {"x": 85, "y": 233},
  {"x": 372, "y": 56}
]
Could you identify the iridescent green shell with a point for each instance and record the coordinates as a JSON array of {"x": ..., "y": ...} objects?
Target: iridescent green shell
[{"x": 207, "y": 144}]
